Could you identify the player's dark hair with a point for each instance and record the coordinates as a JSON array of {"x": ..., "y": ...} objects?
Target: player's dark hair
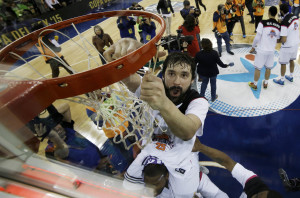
[
  {"x": 186, "y": 3},
  {"x": 179, "y": 58},
  {"x": 273, "y": 11},
  {"x": 189, "y": 23},
  {"x": 274, "y": 194},
  {"x": 220, "y": 6},
  {"x": 153, "y": 170},
  {"x": 206, "y": 44},
  {"x": 284, "y": 8}
]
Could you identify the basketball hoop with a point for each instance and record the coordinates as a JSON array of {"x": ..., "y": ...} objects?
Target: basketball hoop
[{"x": 22, "y": 100}]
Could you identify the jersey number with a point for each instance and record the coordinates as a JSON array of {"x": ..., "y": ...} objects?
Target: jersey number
[{"x": 160, "y": 146}]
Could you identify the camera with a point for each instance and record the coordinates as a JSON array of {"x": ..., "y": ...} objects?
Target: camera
[
  {"x": 217, "y": 32},
  {"x": 174, "y": 42},
  {"x": 197, "y": 12}
]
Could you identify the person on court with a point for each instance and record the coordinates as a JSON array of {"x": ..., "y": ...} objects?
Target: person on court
[
  {"x": 253, "y": 186},
  {"x": 100, "y": 41},
  {"x": 290, "y": 40},
  {"x": 156, "y": 175},
  {"x": 268, "y": 33},
  {"x": 50, "y": 49},
  {"x": 179, "y": 115}
]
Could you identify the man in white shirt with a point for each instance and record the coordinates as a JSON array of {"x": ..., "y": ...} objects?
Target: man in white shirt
[
  {"x": 179, "y": 114},
  {"x": 268, "y": 33},
  {"x": 290, "y": 40}
]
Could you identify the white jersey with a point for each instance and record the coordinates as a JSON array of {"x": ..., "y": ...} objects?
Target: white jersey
[
  {"x": 290, "y": 29},
  {"x": 173, "y": 151},
  {"x": 270, "y": 32}
]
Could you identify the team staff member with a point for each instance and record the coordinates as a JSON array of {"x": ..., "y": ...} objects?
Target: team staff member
[
  {"x": 253, "y": 186},
  {"x": 240, "y": 6},
  {"x": 50, "y": 49},
  {"x": 220, "y": 29},
  {"x": 268, "y": 32},
  {"x": 259, "y": 8},
  {"x": 290, "y": 41},
  {"x": 230, "y": 9},
  {"x": 179, "y": 111},
  {"x": 164, "y": 7},
  {"x": 101, "y": 40}
]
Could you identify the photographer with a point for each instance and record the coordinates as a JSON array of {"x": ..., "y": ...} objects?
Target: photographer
[
  {"x": 138, "y": 19},
  {"x": 165, "y": 9},
  {"x": 148, "y": 28},
  {"x": 188, "y": 9},
  {"x": 189, "y": 28},
  {"x": 126, "y": 27},
  {"x": 220, "y": 29},
  {"x": 230, "y": 12},
  {"x": 240, "y": 6},
  {"x": 258, "y": 6},
  {"x": 191, "y": 10}
]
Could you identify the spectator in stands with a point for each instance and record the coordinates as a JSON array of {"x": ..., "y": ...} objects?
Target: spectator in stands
[
  {"x": 148, "y": 29},
  {"x": 126, "y": 27},
  {"x": 41, "y": 6},
  {"x": 189, "y": 28},
  {"x": 101, "y": 41},
  {"x": 53, "y": 4},
  {"x": 207, "y": 69}
]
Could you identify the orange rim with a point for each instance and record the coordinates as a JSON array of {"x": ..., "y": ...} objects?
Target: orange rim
[{"x": 23, "y": 100}]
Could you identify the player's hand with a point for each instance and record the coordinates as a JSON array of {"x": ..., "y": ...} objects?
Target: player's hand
[
  {"x": 40, "y": 129},
  {"x": 121, "y": 48},
  {"x": 153, "y": 91}
]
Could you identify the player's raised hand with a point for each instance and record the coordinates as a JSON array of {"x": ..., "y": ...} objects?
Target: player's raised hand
[
  {"x": 153, "y": 91},
  {"x": 121, "y": 48}
]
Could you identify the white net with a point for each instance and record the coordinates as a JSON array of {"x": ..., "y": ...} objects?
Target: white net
[{"x": 119, "y": 112}]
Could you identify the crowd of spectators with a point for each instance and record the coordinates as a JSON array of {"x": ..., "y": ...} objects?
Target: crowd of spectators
[{"x": 15, "y": 11}]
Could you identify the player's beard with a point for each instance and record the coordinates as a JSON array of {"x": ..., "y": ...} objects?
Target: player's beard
[{"x": 175, "y": 90}]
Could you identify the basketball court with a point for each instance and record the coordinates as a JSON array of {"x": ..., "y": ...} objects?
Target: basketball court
[{"x": 256, "y": 128}]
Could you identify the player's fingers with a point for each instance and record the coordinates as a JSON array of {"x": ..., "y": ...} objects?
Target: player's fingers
[
  {"x": 161, "y": 54},
  {"x": 109, "y": 53},
  {"x": 133, "y": 45}
]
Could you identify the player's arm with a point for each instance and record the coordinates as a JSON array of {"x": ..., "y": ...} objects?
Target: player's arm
[
  {"x": 214, "y": 154},
  {"x": 282, "y": 39}
]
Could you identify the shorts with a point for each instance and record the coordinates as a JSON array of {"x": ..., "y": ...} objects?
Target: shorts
[
  {"x": 288, "y": 54},
  {"x": 209, "y": 189},
  {"x": 264, "y": 59}
]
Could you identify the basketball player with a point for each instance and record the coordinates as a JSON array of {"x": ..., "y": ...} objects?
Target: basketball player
[
  {"x": 290, "y": 41},
  {"x": 268, "y": 33},
  {"x": 179, "y": 113},
  {"x": 253, "y": 186},
  {"x": 156, "y": 174}
]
